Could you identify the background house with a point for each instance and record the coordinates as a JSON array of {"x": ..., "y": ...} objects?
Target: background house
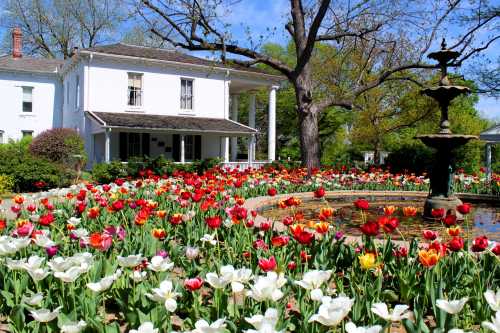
[{"x": 128, "y": 101}]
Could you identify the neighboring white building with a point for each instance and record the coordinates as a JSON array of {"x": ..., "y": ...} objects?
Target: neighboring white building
[
  {"x": 369, "y": 157},
  {"x": 30, "y": 90},
  {"x": 132, "y": 101}
]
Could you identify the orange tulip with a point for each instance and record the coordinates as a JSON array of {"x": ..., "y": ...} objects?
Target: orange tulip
[
  {"x": 159, "y": 233},
  {"x": 322, "y": 227},
  {"x": 389, "y": 210},
  {"x": 161, "y": 213},
  {"x": 454, "y": 231},
  {"x": 428, "y": 258},
  {"x": 19, "y": 199},
  {"x": 409, "y": 211},
  {"x": 325, "y": 213}
]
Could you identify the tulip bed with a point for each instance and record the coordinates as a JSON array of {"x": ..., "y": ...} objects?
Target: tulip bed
[{"x": 181, "y": 253}]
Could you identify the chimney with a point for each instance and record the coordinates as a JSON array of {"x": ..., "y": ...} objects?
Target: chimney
[{"x": 17, "y": 43}]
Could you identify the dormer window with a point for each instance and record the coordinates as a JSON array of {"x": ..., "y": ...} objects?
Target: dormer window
[
  {"x": 134, "y": 89},
  {"x": 186, "y": 94}
]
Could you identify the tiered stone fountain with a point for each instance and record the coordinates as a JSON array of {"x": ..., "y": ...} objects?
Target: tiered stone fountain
[{"x": 441, "y": 175}]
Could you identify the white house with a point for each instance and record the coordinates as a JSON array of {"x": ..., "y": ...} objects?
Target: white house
[
  {"x": 31, "y": 93},
  {"x": 132, "y": 101}
]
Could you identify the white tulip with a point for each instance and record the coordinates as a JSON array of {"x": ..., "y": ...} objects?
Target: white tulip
[
  {"x": 44, "y": 241},
  {"x": 202, "y": 326},
  {"x": 146, "y": 327},
  {"x": 33, "y": 263},
  {"x": 59, "y": 264},
  {"x": 80, "y": 232},
  {"x": 264, "y": 323},
  {"x": 70, "y": 275},
  {"x": 458, "y": 330},
  {"x": 192, "y": 252},
  {"x": 312, "y": 280},
  {"x": 350, "y": 327},
  {"x": 208, "y": 239},
  {"x": 74, "y": 221},
  {"x": 493, "y": 299},
  {"x": 451, "y": 307},
  {"x": 399, "y": 313},
  {"x": 45, "y": 315},
  {"x": 332, "y": 310},
  {"x": 138, "y": 276},
  {"x": 105, "y": 283},
  {"x": 15, "y": 264},
  {"x": 165, "y": 294},
  {"x": 38, "y": 274},
  {"x": 494, "y": 325},
  {"x": 160, "y": 264},
  {"x": 33, "y": 300},
  {"x": 73, "y": 327},
  {"x": 267, "y": 287},
  {"x": 130, "y": 261}
]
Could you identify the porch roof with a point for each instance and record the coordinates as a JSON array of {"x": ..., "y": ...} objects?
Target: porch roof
[{"x": 154, "y": 122}]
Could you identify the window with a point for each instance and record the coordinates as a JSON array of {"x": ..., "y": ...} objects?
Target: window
[
  {"x": 27, "y": 99},
  {"x": 1, "y": 137},
  {"x": 77, "y": 92},
  {"x": 186, "y": 94},
  {"x": 133, "y": 145},
  {"x": 134, "y": 89},
  {"x": 189, "y": 147},
  {"x": 27, "y": 133}
]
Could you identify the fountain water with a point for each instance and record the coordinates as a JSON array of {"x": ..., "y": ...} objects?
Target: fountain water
[{"x": 441, "y": 194}]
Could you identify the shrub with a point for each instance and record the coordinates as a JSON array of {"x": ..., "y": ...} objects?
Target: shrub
[
  {"x": 6, "y": 184},
  {"x": 59, "y": 145},
  {"x": 108, "y": 172},
  {"x": 411, "y": 158},
  {"x": 30, "y": 173}
]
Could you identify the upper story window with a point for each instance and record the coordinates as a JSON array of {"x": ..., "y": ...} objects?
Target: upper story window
[
  {"x": 77, "y": 92},
  {"x": 1, "y": 137},
  {"x": 27, "y": 133},
  {"x": 134, "y": 94},
  {"x": 27, "y": 99},
  {"x": 186, "y": 94}
]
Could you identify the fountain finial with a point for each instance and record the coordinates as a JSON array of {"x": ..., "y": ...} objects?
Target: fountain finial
[{"x": 443, "y": 44}]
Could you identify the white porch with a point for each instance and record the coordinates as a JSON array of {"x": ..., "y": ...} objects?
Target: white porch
[{"x": 492, "y": 137}]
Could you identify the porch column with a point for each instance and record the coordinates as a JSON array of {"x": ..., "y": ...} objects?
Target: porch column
[
  {"x": 225, "y": 149},
  {"x": 234, "y": 139},
  {"x": 488, "y": 161},
  {"x": 183, "y": 152},
  {"x": 251, "y": 146},
  {"x": 107, "y": 145},
  {"x": 271, "y": 134},
  {"x": 251, "y": 123}
]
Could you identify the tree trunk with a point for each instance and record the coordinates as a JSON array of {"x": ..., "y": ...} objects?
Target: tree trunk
[
  {"x": 308, "y": 119},
  {"x": 309, "y": 139}
]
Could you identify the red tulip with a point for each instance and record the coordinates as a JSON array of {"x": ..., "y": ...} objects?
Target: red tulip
[
  {"x": 260, "y": 244},
  {"x": 480, "y": 244},
  {"x": 291, "y": 265},
  {"x": 46, "y": 219},
  {"x": 213, "y": 222},
  {"x": 438, "y": 213},
  {"x": 456, "y": 244},
  {"x": 370, "y": 228},
  {"x": 430, "y": 235},
  {"x": 267, "y": 265},
  {"x": 193, "y": 284},
  {"x": 304, "y": 257},
  {"x": 496, "y": 249},
  {"x": 388, "y": 224},
  {"x": 287, "y": 220},
  {"x": 319, "y": 193},
  {"x": 280, "y": 240},
  {"x": 272, "y": 192},
  {"x": 464, "y": 208},
  {"x": 361, "y": 204},
  {"x": 265, "y": 225},
  {"x": 304, "y": 237},
  {"x": 450, "y": 220}
]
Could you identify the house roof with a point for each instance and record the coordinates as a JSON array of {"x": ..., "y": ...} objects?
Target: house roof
[
  {"x": 141, "y": 121},
  {"x": 170, "y": 55},
  {"x": 492, "y": 134},
  {"x": 29, "y": 64}
]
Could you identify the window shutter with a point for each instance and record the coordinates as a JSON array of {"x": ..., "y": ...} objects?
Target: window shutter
[
  {"x": 197, "y": 147},
  {"x": 176, "y": 142},
  {"x": 123, "y": 146},
  {"x": 145, "y": 144}
]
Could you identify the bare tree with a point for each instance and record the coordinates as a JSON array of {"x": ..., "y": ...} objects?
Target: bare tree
[
  {"x": 383, "y": 30},
  {"x": 52, "y": 28}
]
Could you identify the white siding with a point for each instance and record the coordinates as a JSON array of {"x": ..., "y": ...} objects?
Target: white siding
[
  {"x": 47, "y": 102},
  {"x": 107, "y": 89}
]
